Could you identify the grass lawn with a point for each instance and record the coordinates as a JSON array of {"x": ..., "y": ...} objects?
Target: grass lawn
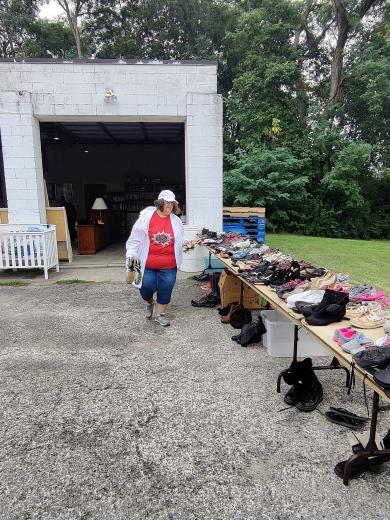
[{"x": 364, "y": 260}]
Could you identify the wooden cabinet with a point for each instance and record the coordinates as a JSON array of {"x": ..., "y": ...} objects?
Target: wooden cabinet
[{"x": 91, "y": 238}]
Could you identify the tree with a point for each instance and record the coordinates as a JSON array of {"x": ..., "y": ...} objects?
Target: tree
[
  {"x": 74, "y": 11},
  {"x": 16, "y": 24},
  {"x": 50, "y": 40},
  {"x": 348, "y": 15},
  {"x": 266, "y": 177},
  {"x": 156, "y": 29}
]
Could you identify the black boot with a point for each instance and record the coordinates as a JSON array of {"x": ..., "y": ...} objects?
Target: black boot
[
  {"x": 294, "y": 375},
  {"x": 312, "y": 392},
  {"x": 330, "y": 297},
  {"x": 331, "y": 309},
  {"x": 214, "y": 279},
  {"x": 294, "y": 394}
]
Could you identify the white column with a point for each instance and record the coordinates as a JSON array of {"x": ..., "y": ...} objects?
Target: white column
[
  {"x": 204, "y": 167},
  {"x": 21, "y": 147}
]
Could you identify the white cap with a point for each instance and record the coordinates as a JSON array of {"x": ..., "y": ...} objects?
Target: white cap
[{"x": 167, "y": 195}]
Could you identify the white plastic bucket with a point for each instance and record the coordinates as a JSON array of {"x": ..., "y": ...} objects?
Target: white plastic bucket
[{"x": 193, "y": 261}]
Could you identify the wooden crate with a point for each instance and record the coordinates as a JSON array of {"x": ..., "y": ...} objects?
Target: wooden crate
[{"x": 243, "y": 212}]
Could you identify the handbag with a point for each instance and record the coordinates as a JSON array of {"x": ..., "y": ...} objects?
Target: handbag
[
  {"x": 252, "y": 332},
  {"x": 378, "y": 357},
  {"x": 383, "y": 378},
  {"x": 239, "y": 317}
]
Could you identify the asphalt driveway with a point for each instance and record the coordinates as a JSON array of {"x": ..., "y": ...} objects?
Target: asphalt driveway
[{"x": 105, "y": 415}]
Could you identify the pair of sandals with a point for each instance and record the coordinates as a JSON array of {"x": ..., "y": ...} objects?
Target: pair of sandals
[{"x": 345, "y": 418}]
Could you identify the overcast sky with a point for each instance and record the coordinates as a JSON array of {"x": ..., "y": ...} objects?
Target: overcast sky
[{"x": 50, "y": 10}]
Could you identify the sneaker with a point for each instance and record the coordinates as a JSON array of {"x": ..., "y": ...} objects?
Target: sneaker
[
  {"x": 209, "y": 300},
  {"x": 149, "y": 311},
  {"x": 370, "y": 320},
  {"x": 344, "y": 335},
  {"x": 162, "y": 320}
]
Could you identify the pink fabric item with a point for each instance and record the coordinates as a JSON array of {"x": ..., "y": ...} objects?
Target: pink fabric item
[
  {"x": 347, "y": 333},
  {"x": 370, "y": 297}
]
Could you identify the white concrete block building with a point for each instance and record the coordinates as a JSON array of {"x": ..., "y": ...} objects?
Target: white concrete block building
[{"x": 118, "y": 129}]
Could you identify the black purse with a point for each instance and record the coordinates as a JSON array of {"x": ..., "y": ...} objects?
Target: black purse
[
  {"x": 383, "y": 378},
  {"x": 252, "y": 332},
  {"x": 378, "y": 357},
  {"x": 239, "y": 317}
]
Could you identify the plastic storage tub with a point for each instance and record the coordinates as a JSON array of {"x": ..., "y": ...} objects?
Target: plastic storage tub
[{"x": 279, "y": 338}]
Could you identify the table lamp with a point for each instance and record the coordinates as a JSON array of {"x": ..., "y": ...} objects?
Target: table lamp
[{"x": 100, "y": 205}]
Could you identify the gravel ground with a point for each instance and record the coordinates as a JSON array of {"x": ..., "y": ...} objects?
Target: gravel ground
[{"x": 105, "y": 415}]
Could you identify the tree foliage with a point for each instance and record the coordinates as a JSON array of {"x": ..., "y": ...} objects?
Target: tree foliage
[{"x": 306, "y": 88}]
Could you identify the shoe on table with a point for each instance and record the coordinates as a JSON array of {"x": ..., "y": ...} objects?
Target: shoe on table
[
  {"x": 162, "y": 320},
  {"x": 149, "y": 311}
]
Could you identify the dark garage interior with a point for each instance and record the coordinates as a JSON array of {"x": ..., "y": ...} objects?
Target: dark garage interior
[{"x": 126, "y": 164}]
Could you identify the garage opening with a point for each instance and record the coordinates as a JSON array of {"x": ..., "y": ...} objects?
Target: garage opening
[{"x": 122, "y": 166}]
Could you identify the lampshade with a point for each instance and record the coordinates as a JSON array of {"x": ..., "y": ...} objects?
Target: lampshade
[{"x": 99, "y": 204}]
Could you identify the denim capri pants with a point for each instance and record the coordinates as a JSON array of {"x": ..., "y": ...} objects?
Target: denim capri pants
[{"x": 160, "y": 281}]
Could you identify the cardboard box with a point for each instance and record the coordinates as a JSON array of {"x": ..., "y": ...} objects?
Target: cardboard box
[{"x": 230, "y": 289}]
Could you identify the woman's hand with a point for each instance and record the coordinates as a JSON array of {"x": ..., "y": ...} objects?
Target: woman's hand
[{"x": 133, "y": 263}]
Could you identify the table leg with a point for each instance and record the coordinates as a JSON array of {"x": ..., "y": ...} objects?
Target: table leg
[
  {"x": 335, "y": 365},
  {"x": 371, "y": 450},
  {"x": 295, "y": 355}
]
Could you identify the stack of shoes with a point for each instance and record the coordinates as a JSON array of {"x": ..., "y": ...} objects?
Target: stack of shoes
[
  {"x": 325, "y": 281},
  {"x": 306, "y": 390},
  {"x": 331, "y": 309},
  {"x": 212, "y": 298}
]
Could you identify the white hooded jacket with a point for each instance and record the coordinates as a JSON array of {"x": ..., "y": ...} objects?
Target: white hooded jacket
[{"x": 138, "y": 243}]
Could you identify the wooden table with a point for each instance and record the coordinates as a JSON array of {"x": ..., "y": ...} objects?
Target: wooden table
[
  {"x": 341, "y": 359},
  {"x": 92, "y": 238}
]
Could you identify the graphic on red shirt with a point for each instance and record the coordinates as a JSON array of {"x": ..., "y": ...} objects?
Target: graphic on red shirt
[
  {"x": 162, "y": 238},
  {"x": 162, "y": 243}
]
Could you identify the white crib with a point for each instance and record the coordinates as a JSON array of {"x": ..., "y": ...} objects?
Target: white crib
[{"x": 28, "y": 246}]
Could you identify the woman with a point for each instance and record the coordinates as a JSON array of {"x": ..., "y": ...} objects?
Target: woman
[{"x": 155, "y": 245}]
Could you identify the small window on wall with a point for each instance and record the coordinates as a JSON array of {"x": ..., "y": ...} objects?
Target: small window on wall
[
  {"x": 55, "y": 192},
  {"x": 3, "y": 193}
]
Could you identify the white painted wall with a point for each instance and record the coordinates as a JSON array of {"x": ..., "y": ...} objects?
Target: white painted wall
[{"x": 74, "y": 91}]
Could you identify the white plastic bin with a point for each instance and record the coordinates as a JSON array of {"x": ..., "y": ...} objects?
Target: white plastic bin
[
  {"x": 279, "y": 338},
  {"x": 193, "y": 261}
]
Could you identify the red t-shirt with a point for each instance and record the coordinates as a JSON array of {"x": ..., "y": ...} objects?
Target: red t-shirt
[{"x": 162, "y": 243}]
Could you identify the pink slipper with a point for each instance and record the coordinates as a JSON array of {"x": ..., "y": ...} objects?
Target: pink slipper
[{"x": 369, "y": 297}]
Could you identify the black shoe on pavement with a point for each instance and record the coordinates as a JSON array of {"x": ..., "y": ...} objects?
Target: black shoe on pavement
[
  {"x": 294, "y": 394},
  {"x": 359, "y": 466},
  {"x": 312, "y": 393}
]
